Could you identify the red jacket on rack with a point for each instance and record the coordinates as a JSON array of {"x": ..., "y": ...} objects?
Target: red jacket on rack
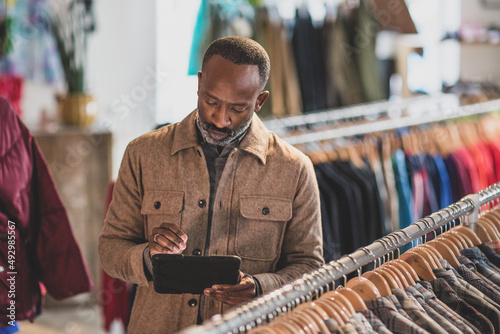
[{"x": 36, "y": 241}]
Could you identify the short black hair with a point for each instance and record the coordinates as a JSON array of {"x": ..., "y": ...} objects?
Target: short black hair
[{"x": 240, "y": 51}]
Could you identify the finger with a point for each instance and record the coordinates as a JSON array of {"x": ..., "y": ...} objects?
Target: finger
[
  {"x": 246, "y": 284},
  {"x": 227, "y": 297},
  {"x": 167, "y": 242},
  {"x": 176, "y": 230},
  {"x": 169, "y": 236},
  {"x": 234, "y": 294},
  {"x": 168, "y": 233},
  {"x": 155, "y": 248},
  {"x": 208, "y": 292}
]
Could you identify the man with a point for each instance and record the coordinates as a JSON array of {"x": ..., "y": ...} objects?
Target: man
[{"x": 217, "y": 183}]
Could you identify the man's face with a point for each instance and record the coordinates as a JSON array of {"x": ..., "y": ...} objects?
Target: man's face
[{"x": 228, "y": 94}]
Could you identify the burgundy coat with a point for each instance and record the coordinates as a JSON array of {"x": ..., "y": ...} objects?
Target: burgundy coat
[{"x": 45, "y": 248}]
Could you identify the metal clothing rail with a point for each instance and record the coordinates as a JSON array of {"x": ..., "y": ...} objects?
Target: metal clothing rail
[
  {"x": 436, "y": 101},
  {"x": 265, "y": 308},
  {"x": 389, "y": 124}
]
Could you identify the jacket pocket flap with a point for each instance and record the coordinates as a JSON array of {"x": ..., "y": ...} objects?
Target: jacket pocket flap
[
  {"x": 266, "y": 208},
  {"x": 162, "y": 202}
]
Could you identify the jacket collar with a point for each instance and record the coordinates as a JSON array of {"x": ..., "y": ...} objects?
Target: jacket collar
[{"x": 255, "y": 141}]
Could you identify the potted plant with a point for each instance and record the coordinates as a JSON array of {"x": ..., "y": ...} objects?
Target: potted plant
[{"x": 68, "y": 27}]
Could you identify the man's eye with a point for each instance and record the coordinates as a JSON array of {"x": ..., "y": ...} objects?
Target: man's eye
[
  {"x": 238, "y": 110},
  {"x": 211, "y": 103}
]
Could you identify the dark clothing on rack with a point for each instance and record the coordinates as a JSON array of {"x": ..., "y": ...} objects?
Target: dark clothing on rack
[
  {"x": 430, "y": 299},
  {"x": 354, "y": 212},
  {"x": 307, "y": 43},
  {"x": 447, "y": 295},
  {"x": 350, "y": 220},
  {"x": 490, "y": 254},
  {"x": 385, "y": 310}
]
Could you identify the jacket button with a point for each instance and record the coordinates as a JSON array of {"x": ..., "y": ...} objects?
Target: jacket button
[
  {"x": 2, "y": 269},
  {"x": 157, "y": 205},
  {"x": 265, "y": 211},
  {"x": 197, "y": 252},
  {"x": 192, "y": 302},
  {"x": 202, "y": 203}
]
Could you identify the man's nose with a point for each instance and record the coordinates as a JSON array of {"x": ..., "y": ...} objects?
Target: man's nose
[{"x": 220, "y": 118}]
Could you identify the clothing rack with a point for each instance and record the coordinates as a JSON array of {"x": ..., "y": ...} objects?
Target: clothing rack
[
  {"x": 420, "y": 118},
  {"x": 391, "y": 108},
  {"x": 271, "y": 305}
]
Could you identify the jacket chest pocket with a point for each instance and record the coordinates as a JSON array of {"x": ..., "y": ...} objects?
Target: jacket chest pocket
[
  {"x": 261, "y": 225},
  {"x": 162, "y": 207}
]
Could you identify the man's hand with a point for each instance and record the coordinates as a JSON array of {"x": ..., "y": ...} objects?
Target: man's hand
[
  {"x": 167, "y": 239},
  {"x": 233, "y": 295}
]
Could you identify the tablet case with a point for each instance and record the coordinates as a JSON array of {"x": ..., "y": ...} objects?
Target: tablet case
[{"x": 177, "y": 273}]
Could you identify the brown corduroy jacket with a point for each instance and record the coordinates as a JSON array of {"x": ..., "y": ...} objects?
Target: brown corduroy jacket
[{"x": 276, "y": 245}]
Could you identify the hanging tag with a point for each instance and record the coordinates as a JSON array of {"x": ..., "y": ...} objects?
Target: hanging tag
[{"x": 471, "y": 219}]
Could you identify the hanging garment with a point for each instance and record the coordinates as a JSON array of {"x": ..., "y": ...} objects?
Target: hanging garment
[
  {"x": 307, "y": 44},
  {"x": 367, "y": 28},
  {"x": 271, "y": 32},
  {"x": 403, "y": 188},
  {"x": 46, "y": 250}
]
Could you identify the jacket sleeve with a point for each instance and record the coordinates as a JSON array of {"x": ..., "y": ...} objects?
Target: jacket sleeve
[
  {"x": 123, "y": 240},
  {"x": 302, "y": 249}
]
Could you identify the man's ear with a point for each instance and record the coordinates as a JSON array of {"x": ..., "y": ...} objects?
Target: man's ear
[
  {"x": 199, "y": 83},
  {"x": 261, "y": 99}
]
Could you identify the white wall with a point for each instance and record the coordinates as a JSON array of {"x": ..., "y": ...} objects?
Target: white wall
[{"x": 121, "y": 70}]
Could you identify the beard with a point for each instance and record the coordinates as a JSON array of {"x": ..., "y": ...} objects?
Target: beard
[{"x": 231, "y": 134}]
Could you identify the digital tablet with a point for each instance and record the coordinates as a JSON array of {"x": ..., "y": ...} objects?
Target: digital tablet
[{"x": 177, "y": 273}]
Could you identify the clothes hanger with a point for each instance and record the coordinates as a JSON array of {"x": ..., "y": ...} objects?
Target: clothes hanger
[
  {"x": 494, "y": 217},
  {"x": 406, "y": 143},
  {"x": 379, "y": 281},
  {"x": 341, "y": 300},
  {"x": 333, "y": 310},
  {"x": 496, "y": 212},
  {"x": 340, "y": 308},
  {"x": 330, "y": 151},
  {"x": 426, "y": 255},
  {"x": 264, "y": 330},
  {"x": 482, "y": 233},
  {"x": 392, "y": 269},
  {"x": 419, "y": 264},
  {"x": 492, "y": 227},
  {"x": 364, "y": 288},
  {"x": 454, "y": 239},
  {"x": 404, "y": 267},
  {"x": 355, "y": 299},
  {"x": 445, "y": 251},
  {"x": 469, "y": 233},
  {"x": 354, "y": 156},
  {"x": 287, "y": 327},
  {"x": 315, "y": 153},
  {"x": 317, "y": 320},
  {"x": 304, "y": 321},
  {"x": 488, "y": 228},
  {"x": 434, "y": 253},
  {"x": 395, "y": 267},
  {"x": 391, "y": 279},
  {"x": 443, "y": 239},
  {"x": 412, "y": 275},
  {"x": 464, "y": 240}
]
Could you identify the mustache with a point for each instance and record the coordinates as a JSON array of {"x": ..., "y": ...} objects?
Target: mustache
[{"x": 211, "y": 126}]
